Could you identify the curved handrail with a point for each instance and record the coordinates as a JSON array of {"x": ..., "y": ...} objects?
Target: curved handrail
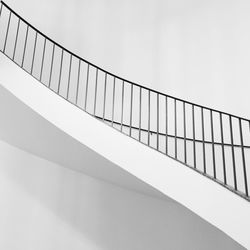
[
  {"x": 168, "y": 124},
  {"x": 114, "y": 75}
]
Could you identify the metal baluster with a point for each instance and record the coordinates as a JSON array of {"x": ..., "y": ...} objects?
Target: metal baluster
[
  {"x": 175, "y": 130},
  {"x": 166, "y": 124},
  {"x": 113, "y": 103},
  {"x": 104, "y": 101},
  {"x": 212, "y": 137},
  {"x": 44, "y": 48},
  {"x": 203, "y": 140},
  {"x": 69, "y": 76},
  {"x": 140, "y": 115},
  {"x": 25, "y": 43},
  {"x": 86, "y": 90},
  {"x": 194, "y": 146},
  {"x": 78, "y": 79},
  {"x": 157, "y": 138},
  {"x": 96, "y": 80},
  {"x": 1, "y": 9},
  {"x": 185, "y": 132},
  {"x": 243, "y": 158},
  {"x": 34, "y": 52},
  {"x": 122, "y": 104},
  {"x": 17, "y": 32},
  {"x": 149, "y": 117},
  {"x": 233, "y": 156},
  {"x": 223, "y": 150},
  {"x": 51, "y": 66},
  {"x": 60, "y": 72},
  {"x": 7, "y": 32},
  {"x": 131, "y": 110}
]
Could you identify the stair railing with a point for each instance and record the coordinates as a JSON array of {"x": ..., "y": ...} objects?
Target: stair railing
[{"x": 212, "y": 142}]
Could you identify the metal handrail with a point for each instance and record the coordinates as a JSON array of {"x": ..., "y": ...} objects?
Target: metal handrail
[{"x": 157, "y": 108}]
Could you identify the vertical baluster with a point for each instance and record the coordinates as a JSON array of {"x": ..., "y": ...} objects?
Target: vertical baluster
[
  {"x": 185, "y": 132},
  {"x": 60, "y": 72},
  {"x": 7, "y": 32},
  {"x": 175, "y": 130},
  {"x": 44, "y": 48},
  {"x": 1, "y": 9},
  {"x": 194, "y": 146},
  {"x": 96, "y": 81},
  {"x": 149, "y": 117},
  {"x": 33, "y": 57},
  {"x": 25, "y": 43},
  {"x": 86, "y": 89},
  {"x": 243, "y": 158},
  {"x": 113, "y": 102},
  {"x": 212, "y": 138},
  {"x": 104, "y": 101},
  {"x": 140, "y": 115},
  {"x": 69, "y": 76},
  {"x": 157, "y": 124},
  {"x": 122, "y": 104},
  {"x": 233, "y": 156},
  {"x": 223, "y": 150},
  {"x": 203, "y": 141},
  {"x": 166, "y": 103},
  {"x": 17, "y": 33},
  {"x": 78, "y": 80},
  {"x": 51, "y": 66},
  {"x": 131, "y": 110}
]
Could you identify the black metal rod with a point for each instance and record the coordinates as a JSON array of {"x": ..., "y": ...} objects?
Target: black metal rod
[
  {"x": 194, "y": 146},
  {"x": 149, "y": 117},
  {"x": 122, "y": 104},
  {"x": 34, "y": 53},
  {"x": 140, "y": 115},
  {"x": 1, "y": 9},
  {"x": 166, "y": 103},
  {"x": 51, "y": 66},
  {"x": 60, "y": 72},
  {"x": 78, "y": 80},
  {"x": 223, "y": 150},
  {"x": 69, "y": 76},
  {"x": 96, "y": 81},
  {"x": 25, "y": 44},
  {"x": 131, "y": 111},
  {"x": 157, "y": 123},
  {"x": 212, "y": 138},
  {"x": 86, "y": 89},
  {"x": 185, "y": 132},
  {"x": 243, "y": 159},
  {"x": 104, "y": 100},
  {"x": 17, "y": 32},
  {"x": 7, "y": 33},
  {"x": 113, "y": 102},
  {"x": 233, "y": 156},
  {"x": 41, "y": 71},
  {"x": 175, "y": 130},
  {"x": 203, "y": 141}
]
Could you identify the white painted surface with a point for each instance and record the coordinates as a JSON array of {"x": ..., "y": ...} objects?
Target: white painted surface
[
  {"x": 202, "y": 196},
  {"x": 194, "y": 49},
  {"x": 46, "y": 206}
]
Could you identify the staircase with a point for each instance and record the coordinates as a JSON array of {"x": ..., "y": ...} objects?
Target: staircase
[{"x": 210, "y": 142}]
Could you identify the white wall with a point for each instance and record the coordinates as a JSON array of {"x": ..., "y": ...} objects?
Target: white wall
[
  {"x": 47, "y": 206},
  {"x": 197, "y": 50}
]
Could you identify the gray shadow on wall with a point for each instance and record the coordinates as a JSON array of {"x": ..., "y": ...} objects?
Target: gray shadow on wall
[{"x": 110, "y": 217}]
